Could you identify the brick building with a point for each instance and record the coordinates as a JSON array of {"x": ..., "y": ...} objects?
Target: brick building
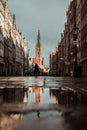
[
  {"x": 73, "y": 43},
  {"x": 13, "y": 45},
  {"x": 84, "y": 36}
]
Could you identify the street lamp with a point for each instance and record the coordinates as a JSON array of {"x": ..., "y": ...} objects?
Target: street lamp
[
  {"x": 77, "y": 68},
  {"x": 75, "y": 42}
]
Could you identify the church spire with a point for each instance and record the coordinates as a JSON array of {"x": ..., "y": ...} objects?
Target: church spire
[{"x": 38, "y": 38}]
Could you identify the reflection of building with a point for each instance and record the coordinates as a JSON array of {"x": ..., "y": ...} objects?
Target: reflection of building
[
  {"x": 69, "y": 97},
  {"x": 54, "y": 93},
  {"x": 13, "y": 95},
  {"x": 25, "y": 95}
]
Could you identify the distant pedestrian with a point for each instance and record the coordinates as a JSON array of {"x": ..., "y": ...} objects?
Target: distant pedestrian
[
  {"x": 36, "y": 70},
  {"x": 38, "y": 114}
]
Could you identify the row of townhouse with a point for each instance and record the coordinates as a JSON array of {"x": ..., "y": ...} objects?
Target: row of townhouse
[
  {"x": 13, "y": 45},
  {"x": 72, "y": 48}
]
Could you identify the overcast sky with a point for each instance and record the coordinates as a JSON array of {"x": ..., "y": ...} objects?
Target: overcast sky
[{"x": 48, "y": 16}]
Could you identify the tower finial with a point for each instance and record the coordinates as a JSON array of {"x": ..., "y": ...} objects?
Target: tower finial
[
  {"x": 38, "y": 37},
  {"x": 38, "y": 32}
]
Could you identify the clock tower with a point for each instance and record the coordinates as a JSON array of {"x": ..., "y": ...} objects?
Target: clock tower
[
  {"x": 39, "y": 50},
  {"x": 38, "y": 58}
]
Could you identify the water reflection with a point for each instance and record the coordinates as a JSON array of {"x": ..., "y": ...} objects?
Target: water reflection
[
  {"x": 69, "y": 97},
  {"x": 40, "y": 96},
  {"x": 13, "y": 95},
  {"x": 35, "y": 97}
]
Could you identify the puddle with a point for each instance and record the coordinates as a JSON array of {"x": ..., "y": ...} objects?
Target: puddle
[
  {"x": 43, "y": 103},
  {"x": 40, "y": 96}
]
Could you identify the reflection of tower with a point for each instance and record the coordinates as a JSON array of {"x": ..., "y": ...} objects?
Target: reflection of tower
[{"x": 38, "y": 95}]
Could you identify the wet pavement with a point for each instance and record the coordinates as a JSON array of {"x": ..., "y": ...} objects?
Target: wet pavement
[{"x": 43, "y": 103}]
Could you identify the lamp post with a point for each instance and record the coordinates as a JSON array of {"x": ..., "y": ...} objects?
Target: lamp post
[
  {"x": 75, "y": 42},
  {"x": 77, "y": 68}
]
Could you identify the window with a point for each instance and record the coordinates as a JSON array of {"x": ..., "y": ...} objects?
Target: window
[
  {"x": 84, "y": 20},
  {"x": 86, "y": 39},
  {"x": 86, "y": 17}
]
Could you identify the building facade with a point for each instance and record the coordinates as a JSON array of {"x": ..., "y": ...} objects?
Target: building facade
[
  {"x": 84, "y": 36},
  {"x": 72, "y": 48},
  {"x": 13, "y": 45},
  {"x": 54, "y": 63}
]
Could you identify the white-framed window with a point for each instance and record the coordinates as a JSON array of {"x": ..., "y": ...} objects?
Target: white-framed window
[
  {"x": 86, "y": 39},
  {"x": 86, "y": 17}
]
